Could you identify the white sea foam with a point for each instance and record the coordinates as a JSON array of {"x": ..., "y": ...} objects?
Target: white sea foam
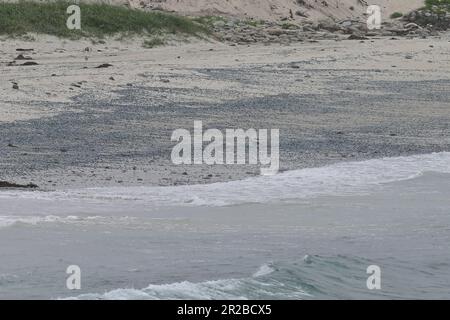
[
  {"x": 220, "y": 289},
  {"x": 338, "y": 179},
  {"x": 224, "y": 289},
  {"x": 8, "y": 220},
  {"x": 264, "y": 270}
]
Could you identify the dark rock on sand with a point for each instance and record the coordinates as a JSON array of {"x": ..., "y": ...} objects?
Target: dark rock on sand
[
  {"x": 438, "y": 20},
  {"x": 29, "y": 63},
  {"x": 22, "y": 57},
  {"x": 104, "y": 65},
  {"x": 356, "y": 37}
]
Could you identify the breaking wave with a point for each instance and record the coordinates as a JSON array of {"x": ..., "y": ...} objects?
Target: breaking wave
[
  {"x": 338, "y": 179},
  {"x": 313, "y": 277}
]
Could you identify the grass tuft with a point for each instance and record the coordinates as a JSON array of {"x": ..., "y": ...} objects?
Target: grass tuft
[
  {"x": 154, "y": 42},
  {"x": 396, "y": 15}
]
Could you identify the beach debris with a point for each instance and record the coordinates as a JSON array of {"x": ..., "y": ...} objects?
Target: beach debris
[
  {"x": 104, "y": 65},
  {"x": 22, "y": 57},
  {"x": 15, "y": 86},
  {"x": 6, "y": 184},
  {"x": 24, "y": 50},
  {"x": 29, "y": 63},
  {"x": 356, "y": 37}
]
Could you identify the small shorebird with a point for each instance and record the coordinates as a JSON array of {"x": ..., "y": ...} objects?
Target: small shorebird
[{"x": 87, "y": 50}]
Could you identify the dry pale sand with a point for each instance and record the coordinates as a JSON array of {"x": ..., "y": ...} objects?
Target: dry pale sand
[
  {"x": 68, "y": 68},
  {"x": 275, "y": 9},
  {"x": 270, "y": 9},
  {"x": 62, "y": 63}
]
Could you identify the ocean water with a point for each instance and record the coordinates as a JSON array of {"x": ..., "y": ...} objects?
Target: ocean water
[
  {"x": 303, "y": 234},
  {"x": 313, "y": 277}
]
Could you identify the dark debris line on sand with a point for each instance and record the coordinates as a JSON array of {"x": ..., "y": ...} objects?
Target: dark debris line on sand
[{"x": 5, "y": 184}]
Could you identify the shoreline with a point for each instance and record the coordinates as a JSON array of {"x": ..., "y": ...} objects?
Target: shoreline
[
  {"x": 332, "y": 101},
  {"x": 91, "y": 130},
  {"x": 158, "y": 248}
]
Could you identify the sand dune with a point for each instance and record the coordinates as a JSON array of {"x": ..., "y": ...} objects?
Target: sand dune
[
  {"x": 271, "y": 9},
  {"x": 276, "y": 9}
]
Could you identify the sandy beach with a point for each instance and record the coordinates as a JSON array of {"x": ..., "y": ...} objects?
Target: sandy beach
[
  {"x": 87, "y": 178},
  {"x": 340, "y": 100}
]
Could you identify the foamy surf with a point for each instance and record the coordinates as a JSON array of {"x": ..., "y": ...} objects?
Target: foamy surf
[
  {"x": 338, "y": 179},
  {"x": 261, "y": 284},
  {"x": 264, "y": 270},
  {"x": 9, "y": 221},
  {"x": 314, "y": 277}
]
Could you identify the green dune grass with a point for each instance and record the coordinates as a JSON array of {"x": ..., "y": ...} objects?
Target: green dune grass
[
  {"x": 440, "y": 6},
  {"x": 97, "y": 20}
]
